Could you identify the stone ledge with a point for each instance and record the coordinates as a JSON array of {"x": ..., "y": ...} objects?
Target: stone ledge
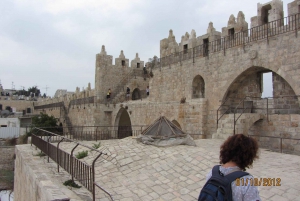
[{"x": 35, "y": 178}]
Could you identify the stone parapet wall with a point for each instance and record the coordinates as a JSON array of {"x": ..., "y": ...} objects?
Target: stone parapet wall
[
  {"x": 283, "y": 125},
  {"x": 20, "y": 105},
  {"x": 35, "y": 179},
  {"x": 191, "y": 116}
]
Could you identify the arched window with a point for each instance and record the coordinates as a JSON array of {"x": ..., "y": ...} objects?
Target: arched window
[
  {"x": 198, "y": 87},
  {"x": 136, "y": 94}
]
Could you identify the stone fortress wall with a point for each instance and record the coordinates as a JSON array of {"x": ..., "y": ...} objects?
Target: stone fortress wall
[{"x": 205, "y": 81}]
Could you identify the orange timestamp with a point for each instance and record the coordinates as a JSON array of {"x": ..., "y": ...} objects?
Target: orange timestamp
[{"x": 258, "y": 181}]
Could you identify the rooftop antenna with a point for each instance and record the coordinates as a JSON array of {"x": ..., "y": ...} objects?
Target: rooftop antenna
[
  {"x": 22, "y": 90},
  {"x": 46, "y": 89}
]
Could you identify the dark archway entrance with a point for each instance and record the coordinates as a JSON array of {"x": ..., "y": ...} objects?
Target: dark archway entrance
[
  {"x": 136, "y": 94},
  {"x": 123, "y": 123}
]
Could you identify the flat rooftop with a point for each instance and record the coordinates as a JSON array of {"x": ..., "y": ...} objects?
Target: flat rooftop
[{"x": 133, "y": 171}]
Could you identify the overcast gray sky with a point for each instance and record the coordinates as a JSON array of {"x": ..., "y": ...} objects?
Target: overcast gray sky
[{"x": 53, "y": 43}]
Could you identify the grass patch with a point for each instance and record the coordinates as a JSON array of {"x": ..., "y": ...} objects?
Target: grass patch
[
  {"x": 81, "y": 154},
  {"x": 40, "y": 154},
  {"x": 96, "y": 146},
  {"x": 7, "y": 178},
  {"x": 71, "y": 183},
  {"x": 24, "y": 138}
]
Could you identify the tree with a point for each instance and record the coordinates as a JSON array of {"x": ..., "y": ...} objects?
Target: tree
[
  {"x": 34, "y": 90},
  {"x": 44, "y": 120}
]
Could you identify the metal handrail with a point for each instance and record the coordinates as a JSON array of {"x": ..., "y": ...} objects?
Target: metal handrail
[
  {"x": 235, "y": 120},
  {"x": 264, "y": 31},
  {"x": 87, "y": 172},
  {"x": 223, "y": 113},
  {"x": 281, "y": 138}
]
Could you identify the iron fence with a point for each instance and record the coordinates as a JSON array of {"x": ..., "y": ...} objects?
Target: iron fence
[
  {"x": 79, "y": 170},
  {"x": 281, "y": 147},
  {"x": 268, "y": 105},
  {"x": 277, "y": 27},
  {"x": 52, "y": 105},
  {"x": 95, "y": 133}
]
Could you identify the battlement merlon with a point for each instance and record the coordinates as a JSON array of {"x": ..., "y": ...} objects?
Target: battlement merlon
[
  {"x": 102, "y": 59},
  {"x": 211, "y": 35},
  {"x": 235, "y": 25},
  {"x": 168, "y": 45},
  {"x": 268, "y": 12},
  {"x": 293, "y": 7},
  {"x": 136, "y": 62}
]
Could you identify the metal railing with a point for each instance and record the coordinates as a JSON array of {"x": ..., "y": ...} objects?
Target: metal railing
[
  {"x": 280, "y": 141},
  {"x": 277, "y": 27},
  {"x": 79, "y": 170},
  {"x": 236, "y": 109},
  {"x": 95, "y": 133},
  {"x": 292, "y": 106},
  {"x": 47, "y": 106},
  {"x": 83, "y": 101}
]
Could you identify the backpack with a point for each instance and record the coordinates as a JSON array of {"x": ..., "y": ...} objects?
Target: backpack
[{"x": 218, "y": 187}]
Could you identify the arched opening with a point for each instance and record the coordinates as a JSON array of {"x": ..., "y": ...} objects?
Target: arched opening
[
  {"x": 136, "y": 94},
  {"x": 123, "y": 123},
  {"x": 198, "y": 87},
  {"x": 250, "y": 85},
  {"x": 176, "y": 123}
]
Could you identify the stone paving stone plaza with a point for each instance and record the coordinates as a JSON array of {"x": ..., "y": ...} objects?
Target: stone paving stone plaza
[{"x": 133, "y": 171}]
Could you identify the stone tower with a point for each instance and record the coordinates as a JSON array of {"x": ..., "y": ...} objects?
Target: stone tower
[{"x": 103, "y": 62}]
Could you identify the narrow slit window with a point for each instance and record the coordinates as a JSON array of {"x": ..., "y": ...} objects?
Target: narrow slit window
[
  {"x": 185, "y": 49},
  {"x": 123, "y": 62},
  {"x": 231, "y": 33},
  {"x": 138, "y": 65}
]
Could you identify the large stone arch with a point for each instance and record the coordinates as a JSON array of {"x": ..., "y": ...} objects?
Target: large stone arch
[
  {"x": 198, "y": 87},
  {"x": 123, "y": 123},
  {"x": 136, "y": 94},
  {"x": 241, "y": 72},
  {"x": 249, "y": 83}
]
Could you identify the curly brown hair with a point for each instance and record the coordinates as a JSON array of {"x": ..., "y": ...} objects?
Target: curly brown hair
[{"x": 240, "y": 149}]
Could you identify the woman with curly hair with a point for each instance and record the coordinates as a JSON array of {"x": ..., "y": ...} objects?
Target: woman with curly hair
[{"x": 236, "y": 154}]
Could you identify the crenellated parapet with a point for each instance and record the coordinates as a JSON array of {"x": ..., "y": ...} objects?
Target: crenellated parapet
[
  {"x": 188, "y": 41},
  {"x": 268, "y": 12},
  {"x": 109, "y": 76},
  {"x": 136, "y": 62},
  {"x": 235, "y": 25},
  {"x": 210, "y": 35},
  {"x": 168, "y": 45}
]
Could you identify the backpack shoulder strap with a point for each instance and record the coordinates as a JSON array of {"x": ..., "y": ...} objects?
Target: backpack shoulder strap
[
  {"x": 234, "y": 175},
  {"x": 215, "y": 171}
]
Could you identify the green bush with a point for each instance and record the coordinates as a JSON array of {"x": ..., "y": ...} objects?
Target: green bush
[
  {"x": 71, "y": 183},
  {"x": 96, "y": 146},
  {"x": 7, "y": 177},
  {"x": 81, "y": 154}
]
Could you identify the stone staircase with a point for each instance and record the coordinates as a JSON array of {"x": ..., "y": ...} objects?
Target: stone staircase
[
  {"x": 226, "y": 124},
  {"x": 119, "y": 92}
]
